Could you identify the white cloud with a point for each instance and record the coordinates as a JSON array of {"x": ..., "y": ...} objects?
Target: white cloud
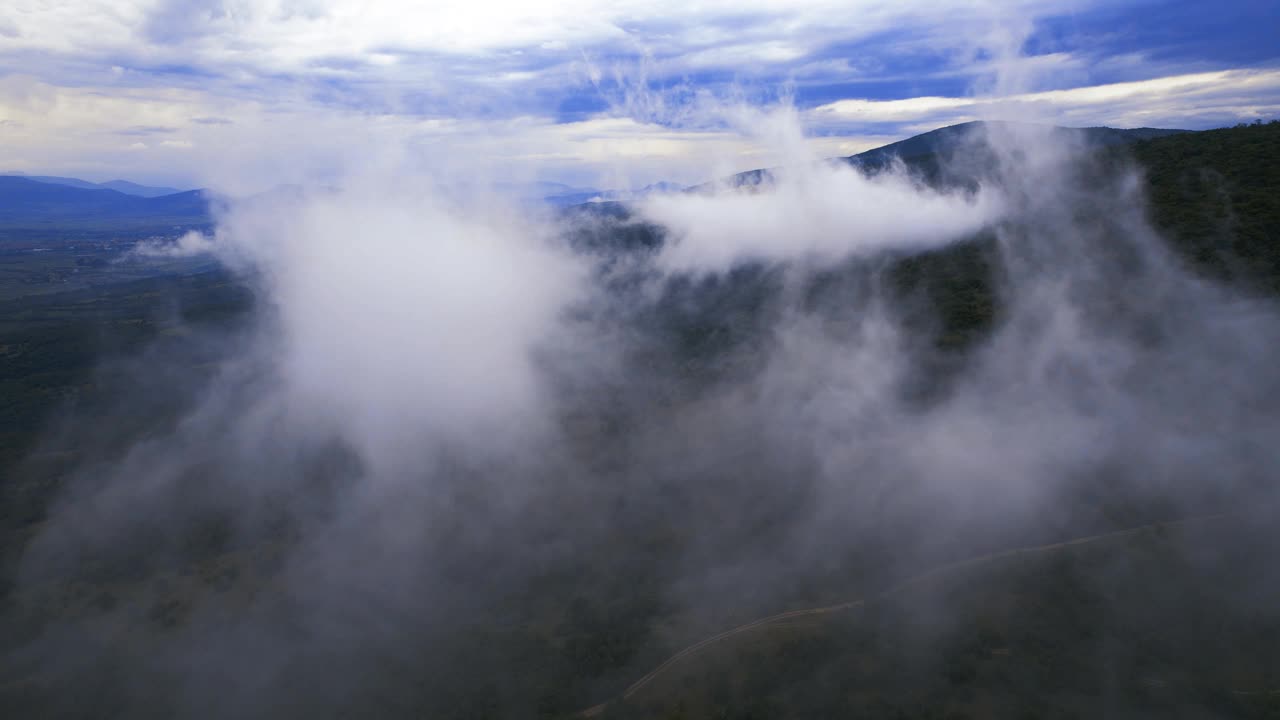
[
  {"x": 247, "y": 146},
  {"x": 189, "y": 244},
  {"x": 276, "y": 28},
  {"x": 819, "y": 213},
  {"x": 882, "y": 111},
  {"x": 481, "y": 81},
  {"x": 1228, "y": 94}
]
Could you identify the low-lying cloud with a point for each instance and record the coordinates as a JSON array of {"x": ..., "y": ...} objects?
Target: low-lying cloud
[
  {"x": 821, "y": 212},
  {"x": 189, "y": 244},
  {"x": 404, "y": 317},
  {"x": 444, "y": 438}
]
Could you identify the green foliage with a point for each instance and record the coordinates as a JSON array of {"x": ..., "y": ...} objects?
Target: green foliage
[
  {"x": 1041, "y": 637},
  {"x": 1216, "y": 195}
]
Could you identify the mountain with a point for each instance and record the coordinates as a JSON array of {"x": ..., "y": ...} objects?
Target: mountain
[
  {"x": 69, "y": 182},
  {"x": 947, "y": 140},
  {"x": 1215, "y": 195},
  {"x": 931, "y": 147},
  {"x": 545, "y": 191},
  {"x": 1023, "y": 637},
  {"x": 27, "y": 203},
  {"x": 545, "y": 188},
  {"x": 132, "y": 188},
  {"x": 1104, "y": 605},
  {"x": 123, "y": 186}
]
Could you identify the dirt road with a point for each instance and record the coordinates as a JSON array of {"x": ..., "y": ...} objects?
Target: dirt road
[{"x": 898, "y": 587}]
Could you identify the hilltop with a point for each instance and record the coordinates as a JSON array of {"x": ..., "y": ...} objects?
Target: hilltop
[{"x": 124, "y": 186}]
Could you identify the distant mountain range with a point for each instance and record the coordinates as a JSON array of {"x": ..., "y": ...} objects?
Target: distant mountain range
[
  {"x": 27, "y": 203},
  {"x": 122, "y": 186},
  {"x": 43, "y": 203}
]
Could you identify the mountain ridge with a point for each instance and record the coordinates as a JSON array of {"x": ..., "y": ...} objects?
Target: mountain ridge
[
  {"x": 24, "y": 205},
  {"x": 946, "y": 141},
  {"x": 124, "y": 186},
  {"x": 31, "y": 204}
]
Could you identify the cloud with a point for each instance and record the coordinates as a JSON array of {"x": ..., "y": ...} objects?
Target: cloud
[
  {"x": 435, "y": 407},
  {"x": 811, "y": 210},
  {"x": 441, "y": 436},
  {"x": 62, "y": 131},
  {"x": 146, "y": 130},
  {"x": 1192, "y": 100},
  {"x": 819, "y": 213},
  {"x": 9, "y": 28},
  {"x": 189, "y": 244},
  {"x": 494, "y": 64},
  {"x": 463, "y": 298}
]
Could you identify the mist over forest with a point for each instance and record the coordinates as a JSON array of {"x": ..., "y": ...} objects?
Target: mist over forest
[{"x": 980, "y": 424}]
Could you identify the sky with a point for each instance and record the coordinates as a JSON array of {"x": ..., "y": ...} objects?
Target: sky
[{"x": 605, "y": 94}]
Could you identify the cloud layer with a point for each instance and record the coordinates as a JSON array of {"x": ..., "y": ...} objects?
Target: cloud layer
[
  {"x": 443, "y": 443},
  {"x": 552, "y": 85}
]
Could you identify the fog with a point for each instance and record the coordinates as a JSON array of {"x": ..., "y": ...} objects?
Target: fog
[{"x": 446, "y": 418}]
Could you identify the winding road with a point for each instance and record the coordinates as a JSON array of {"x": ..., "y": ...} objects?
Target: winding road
[{"x": 892, "y": 589}]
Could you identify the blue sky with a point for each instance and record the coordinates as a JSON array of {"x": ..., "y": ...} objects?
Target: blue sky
[{"x": 589, "y": 92}]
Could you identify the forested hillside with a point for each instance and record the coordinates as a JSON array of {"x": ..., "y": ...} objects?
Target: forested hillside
[
  {"x": 1216, "y": 194},
  {"x": 685, "y": 497}
]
